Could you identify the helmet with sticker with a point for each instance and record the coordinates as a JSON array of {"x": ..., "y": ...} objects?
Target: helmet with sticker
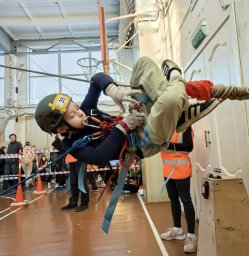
[{"x": 50, "y": 111}]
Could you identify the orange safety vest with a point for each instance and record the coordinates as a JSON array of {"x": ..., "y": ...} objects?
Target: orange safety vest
[
  {"x": 70, "y": 159},
  {"x": 178, "y": 160}
]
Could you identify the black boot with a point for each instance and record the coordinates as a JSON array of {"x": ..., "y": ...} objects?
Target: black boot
[
  {"x": 69, "y": 206},
  {"x": 81, "y": 208}
]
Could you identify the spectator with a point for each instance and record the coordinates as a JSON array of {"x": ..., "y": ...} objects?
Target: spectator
[
  {"x": 74, "y": 168},
  {"x": 2, "y": 160},
  {"x": 43, "y": 161},
  {"x": 11, "y": 164},
  {"x": 177, "y": 167},
  {"x": 27, "y": 163},
  {"x": 91, "y": 176}
]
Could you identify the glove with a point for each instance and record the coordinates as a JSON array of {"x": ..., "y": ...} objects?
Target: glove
[
  {"x": 134, "y": 119},
  {"x": 120, "y": 94}
]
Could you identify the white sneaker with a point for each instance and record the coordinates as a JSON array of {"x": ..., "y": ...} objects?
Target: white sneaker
[
  {"x": 99, "y": 178},
  {"x": 101, "y": 185},
  {"x": 173, "y": 233},
  {"x": 49, "y": 185},
  {"x": 190, "y": 244},
  {"x": 140, "y": 192}
]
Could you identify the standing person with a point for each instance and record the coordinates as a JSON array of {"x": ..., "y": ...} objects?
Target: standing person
[
  {"x": 57, "y": 151},
  {"x": 11, "y": 164},
  {"x": 74, "y": 169},
  {"x": 43, "y": 161},
  {"x": 91, "y": 176},
  {"x": 177, "y": 169},
  {"x": 27, "y": 163},
  {"x": 2, "y": 160},
  {"x": 166, "y": 108}
]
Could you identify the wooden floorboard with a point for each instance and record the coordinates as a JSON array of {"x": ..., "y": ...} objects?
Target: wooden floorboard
[
  {"x": 162, "y": 219},
  {"x": 42, "y": 229}
]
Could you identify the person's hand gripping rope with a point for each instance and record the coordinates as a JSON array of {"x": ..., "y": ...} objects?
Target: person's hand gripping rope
[{"x": 120, "y": 94}]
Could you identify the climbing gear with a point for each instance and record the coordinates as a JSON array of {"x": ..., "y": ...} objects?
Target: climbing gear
[
  {"x": 138, "y": 106},
  {"x": 200, "y": 90},
  {"x": 168, "y": 66},
  {"x": 115, "y": 195},
  {"x": 230, "y": 92},
  {"x": 195, "y": 112},
  {"x": 205, "y": 90},
  {"x": 50, "y": 111}
]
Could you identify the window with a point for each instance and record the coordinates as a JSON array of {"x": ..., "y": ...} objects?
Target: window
[
  {"x": 42, "y": 85},
  {"x": 64, "y": 64}
]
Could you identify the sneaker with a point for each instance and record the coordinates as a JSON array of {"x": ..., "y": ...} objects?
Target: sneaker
[
  {"x": 168, "y": 66},
  {"x": 49, "y": 185},
  {"x": 101, "y": 185},
  {"x": 190, "y": 244},
  {"x": 195, "y": 112},
  {"x": 95, "y": 190},
  {"x": 140, "y": 192},
  {"x": 99, "y": 178},
  {"x": 69, "y": 206},
  {"x": 173, "y": 233},
  {"x": 81, "y": 208}
]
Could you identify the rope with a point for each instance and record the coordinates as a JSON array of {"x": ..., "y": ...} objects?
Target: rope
[
  {"x": 230, "y": 92},
  {"x": 77, "y": 144}
]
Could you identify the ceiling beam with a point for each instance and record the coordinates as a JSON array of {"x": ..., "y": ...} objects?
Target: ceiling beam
[
  {"x": 49, "y": 20},
  {"x": 5, "y": 41}
]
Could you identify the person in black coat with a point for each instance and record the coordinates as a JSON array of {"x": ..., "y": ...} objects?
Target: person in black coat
[{"x": 11, "y": 164}]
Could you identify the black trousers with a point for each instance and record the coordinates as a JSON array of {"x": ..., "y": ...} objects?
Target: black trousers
[
  {"x": 180, "y": 189},
  {"x": 74, "y": 169}
]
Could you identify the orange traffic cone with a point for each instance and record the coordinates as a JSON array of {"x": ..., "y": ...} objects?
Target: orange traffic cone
[
  {"x": 39, "y": 189},
  {"x": 19, "y": 198}
]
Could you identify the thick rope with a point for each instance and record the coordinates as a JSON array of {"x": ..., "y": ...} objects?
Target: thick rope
[{"x": 230, "y": 92}]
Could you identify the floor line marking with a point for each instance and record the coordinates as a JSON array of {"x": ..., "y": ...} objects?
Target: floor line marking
[
  {"x": 154, "y": 230},
  {"x": 24, "y": 206}
]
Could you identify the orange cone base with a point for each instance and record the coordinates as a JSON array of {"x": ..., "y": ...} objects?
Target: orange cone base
[
  {"x": 15, "y": 204},
  {"x": 19, "y": 198},
  {"x": 40, "y": 192}
]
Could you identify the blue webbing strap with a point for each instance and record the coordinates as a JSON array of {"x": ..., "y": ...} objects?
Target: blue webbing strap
[
  {"x": 115, "y": 196},
  {"x": 81, "y": 178}
]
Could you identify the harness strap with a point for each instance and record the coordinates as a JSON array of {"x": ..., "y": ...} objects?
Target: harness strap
[
  {"x": 115, "y": 195},
  {"x": 81, "y": 180}
]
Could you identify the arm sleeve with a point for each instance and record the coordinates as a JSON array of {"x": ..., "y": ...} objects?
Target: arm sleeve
[
  {"x": 98, "y": 84},
  {"x": 101, "y": 154},
  {"x": 187, "y": 142}
]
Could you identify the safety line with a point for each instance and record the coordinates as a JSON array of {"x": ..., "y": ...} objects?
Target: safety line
[{"x": 154, "y": 230}]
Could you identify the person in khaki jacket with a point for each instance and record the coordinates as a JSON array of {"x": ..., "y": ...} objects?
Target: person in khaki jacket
[{"x": 27, "y": 163}]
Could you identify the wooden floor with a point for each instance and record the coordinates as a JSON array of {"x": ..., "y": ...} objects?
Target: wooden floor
[{"x": 41, "y": 229}]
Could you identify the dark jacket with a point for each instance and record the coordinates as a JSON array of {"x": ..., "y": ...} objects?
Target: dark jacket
[
  {"x": 98, "y": 152},
  {"x": 13, "y": 148}
]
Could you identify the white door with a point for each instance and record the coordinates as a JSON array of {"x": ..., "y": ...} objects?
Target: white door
[
  {"x": 202, "y": 156},
  {"x": 221, "y": 139}
]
